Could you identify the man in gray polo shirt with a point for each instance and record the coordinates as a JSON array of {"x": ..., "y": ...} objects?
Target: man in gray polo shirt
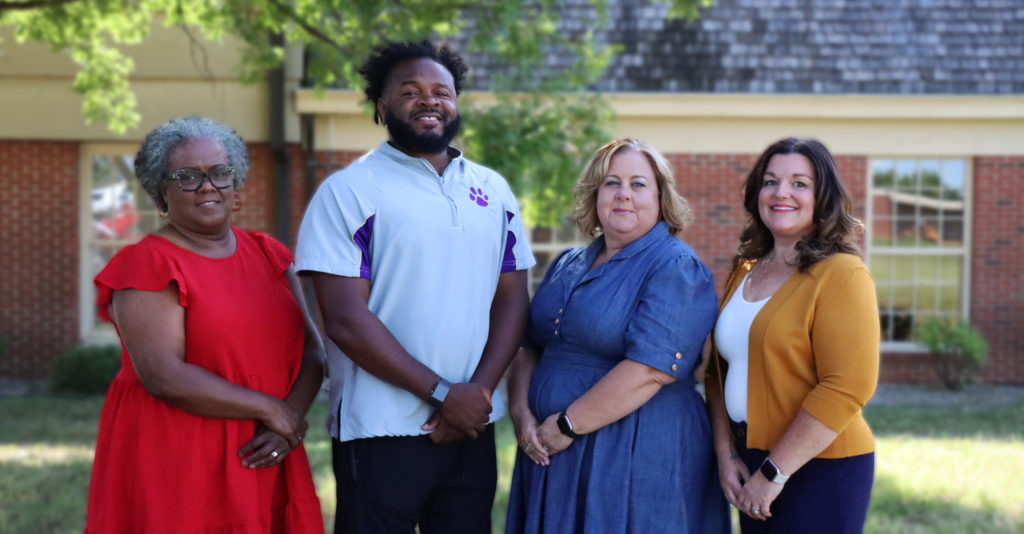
[{"x": 418, "y": 258}]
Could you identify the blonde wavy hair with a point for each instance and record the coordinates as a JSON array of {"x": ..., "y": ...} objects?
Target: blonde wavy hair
[{"x": 673, "y": 208}]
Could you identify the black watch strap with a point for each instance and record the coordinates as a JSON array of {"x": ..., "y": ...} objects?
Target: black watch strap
[{"x": 565, "y": 426}]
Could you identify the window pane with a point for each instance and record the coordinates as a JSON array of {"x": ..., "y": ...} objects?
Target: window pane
[
  {"x": 883, "y": 173},
  {"x": 949, "y": 299},
  {"x": 882, "y": 231},
  {"x": 906, "y": 176},
  {"x": 896, "y": 326},
  {"x": 952, "y": 231},
  {"x": 953, "y": 172},
  {"x": 930, "y": 171},
  {"x": 906, "y": 232},
  {"x": 927, "y": 299},
  {"x": 917, "y": 208},
  {"x": 121, "y": 213},
  {"x": 928, "y": 232},
  {"x": 950, "y": 269}
]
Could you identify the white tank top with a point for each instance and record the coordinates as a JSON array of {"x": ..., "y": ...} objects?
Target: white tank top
[{"x": 732, "y": 338}]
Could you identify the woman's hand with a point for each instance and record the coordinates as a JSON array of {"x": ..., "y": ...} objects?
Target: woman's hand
[
  {"x": 526, "y": 434},
  {"x": 266, "y": 449},
  {"x": 286, "y": 421},
  {"x": 733, "y": 474},
  {"x": 757, "y": 495},
  {"x": 552, "y": 440}
]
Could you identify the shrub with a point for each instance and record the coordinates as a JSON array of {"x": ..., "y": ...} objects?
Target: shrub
[
  {"x": 958, "y": 350},
  {"x": 85, "y": 369}
]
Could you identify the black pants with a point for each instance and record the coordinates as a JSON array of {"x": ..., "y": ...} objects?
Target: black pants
[
  {"x": 392, "y": 484},
  {"x": 825, "y": 495}
]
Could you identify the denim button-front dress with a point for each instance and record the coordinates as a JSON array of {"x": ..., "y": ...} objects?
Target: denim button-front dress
[{"x": 654, "y": 470}]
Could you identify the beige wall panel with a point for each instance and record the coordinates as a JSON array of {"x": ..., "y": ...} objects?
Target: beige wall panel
[
  {"x": 348, "y": 132},
  {"x": 172, "y": 77},
  {"x": 166, "y": 53},
  {"x": 49, "y": 109},
  {"x": 868, "y": 137},
  {"x": 849, "y": 124}
]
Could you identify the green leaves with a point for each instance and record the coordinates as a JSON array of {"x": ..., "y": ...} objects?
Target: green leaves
[
  {"x": 958, "y": 349},
  {"x": 539, "y": 142},
  {"x": 539, "y": 135}
]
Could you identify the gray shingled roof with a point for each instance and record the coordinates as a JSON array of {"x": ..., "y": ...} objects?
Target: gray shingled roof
[{"x": 809, "y": 46}]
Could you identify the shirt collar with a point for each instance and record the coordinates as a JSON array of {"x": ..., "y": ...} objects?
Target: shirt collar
[
  {"x": 638, "y": 245},
  {"x": 412, "y": 161}
]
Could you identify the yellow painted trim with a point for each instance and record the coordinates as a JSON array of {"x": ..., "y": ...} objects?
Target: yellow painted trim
[{"x": 877, "y": 125}]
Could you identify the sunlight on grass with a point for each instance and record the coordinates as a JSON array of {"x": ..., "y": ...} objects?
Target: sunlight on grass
[
  {"x": 950, "y": 485},
  {"x": 44, "y": 454},
  {"x": 947, "y": 469}
]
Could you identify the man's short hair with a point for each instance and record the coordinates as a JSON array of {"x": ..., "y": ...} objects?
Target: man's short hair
[{"x": 380, "y": 64}]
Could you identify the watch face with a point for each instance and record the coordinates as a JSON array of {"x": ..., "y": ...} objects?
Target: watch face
[
  {"x": 769, "y": 471},
  {"x": 563, "y": 424}
]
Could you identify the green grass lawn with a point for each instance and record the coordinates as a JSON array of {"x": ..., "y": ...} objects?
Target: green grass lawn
[{"x": 940, "y": 469}]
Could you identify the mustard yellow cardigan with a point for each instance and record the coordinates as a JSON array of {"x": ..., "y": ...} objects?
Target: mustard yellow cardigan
[{"x": 814, "y": 345}]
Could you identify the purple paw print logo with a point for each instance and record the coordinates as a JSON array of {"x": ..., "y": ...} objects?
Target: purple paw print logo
[{"x": 478, "y": 196}]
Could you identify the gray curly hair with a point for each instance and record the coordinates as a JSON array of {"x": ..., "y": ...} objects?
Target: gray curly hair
[{"x": 151, "y": 162}]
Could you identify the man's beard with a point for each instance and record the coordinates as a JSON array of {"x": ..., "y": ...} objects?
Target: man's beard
[{"x": 405, "y": 138}]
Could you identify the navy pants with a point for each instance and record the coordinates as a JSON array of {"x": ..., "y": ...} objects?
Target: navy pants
[
  {"x": 825, "y": 495},
  {"x": 392, "y": 484}
]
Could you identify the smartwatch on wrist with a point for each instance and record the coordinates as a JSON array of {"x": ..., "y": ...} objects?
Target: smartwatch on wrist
[
  {"x": 772, "y": 473},
  {"x": 439, "y": 392},
  {"x": 565, "y": 426}
]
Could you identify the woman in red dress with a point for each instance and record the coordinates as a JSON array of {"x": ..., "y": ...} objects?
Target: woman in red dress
[{"x": 201, "y": 431}]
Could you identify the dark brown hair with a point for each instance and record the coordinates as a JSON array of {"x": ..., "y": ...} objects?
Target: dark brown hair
[{"x": 835, "y": 229}]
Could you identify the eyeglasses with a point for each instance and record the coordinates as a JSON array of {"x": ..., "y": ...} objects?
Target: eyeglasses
[{"x": 190, "y": 180}]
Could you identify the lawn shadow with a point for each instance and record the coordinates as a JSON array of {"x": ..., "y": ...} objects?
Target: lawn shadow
[
  {"x": 1001, "y": 421},
  {"x": 47, "y": 419},
  {"x": 994, "y": 412}
]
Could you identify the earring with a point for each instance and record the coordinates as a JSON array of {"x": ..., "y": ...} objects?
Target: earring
[
  {"x": 238, "y": 203},
  {"x": 162, "y": 211}
]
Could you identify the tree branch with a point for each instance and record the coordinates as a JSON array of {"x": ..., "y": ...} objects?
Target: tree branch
[
  {"x": 310, "y": 29},
  {"x": 32, "y": 4}
]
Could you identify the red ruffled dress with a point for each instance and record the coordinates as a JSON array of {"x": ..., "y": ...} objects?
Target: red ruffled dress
[{"x": 159, "y": 469}]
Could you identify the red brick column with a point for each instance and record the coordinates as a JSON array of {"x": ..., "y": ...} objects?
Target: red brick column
[
  {"x": 39, "y": 193},
  {"x": 997, "y": 265}
]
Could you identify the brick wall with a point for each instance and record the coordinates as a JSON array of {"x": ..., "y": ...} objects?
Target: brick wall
[
  {"x": 39, "y": 247},
  {"x": 712, "y": 183},
  {"x": 39, "y": 242},
  {"x": 997, "y": 277},
  {"x": 997, "y": 265},
  {"x": 39, "y": 190}
]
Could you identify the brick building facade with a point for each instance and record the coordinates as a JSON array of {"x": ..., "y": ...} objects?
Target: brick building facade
[{"x": 898, "y": 92}]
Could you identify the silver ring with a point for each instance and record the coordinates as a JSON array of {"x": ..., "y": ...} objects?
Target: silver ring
[
  {"x": 528, "y": 447},
  {"x": 273, "y": 454},
  {"x": 547, "y": 449},
  {"x": 755, "y": 510}
]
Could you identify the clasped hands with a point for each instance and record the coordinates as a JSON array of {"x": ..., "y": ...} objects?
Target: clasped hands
[
  {"x": 282, "y": 430},
  {"x": 539, "y": 441},
  {"x": 750, "y": 494},
  {"x": 463, "y": 415}
]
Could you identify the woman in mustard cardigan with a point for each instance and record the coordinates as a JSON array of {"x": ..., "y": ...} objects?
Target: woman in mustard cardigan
[{"x": 796, "y": 351}]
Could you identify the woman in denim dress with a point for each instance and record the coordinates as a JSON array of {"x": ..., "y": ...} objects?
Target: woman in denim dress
[{"x": 613, "y": 436}]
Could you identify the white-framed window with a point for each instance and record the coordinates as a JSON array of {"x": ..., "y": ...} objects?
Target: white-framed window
[
  {"x": 919, "y": 217},
  {"x": 114, "y": 212},
  {"x": 547, "y": 243}
]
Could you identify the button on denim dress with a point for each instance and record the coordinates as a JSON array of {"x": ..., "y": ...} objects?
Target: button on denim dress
[{"x": 654, "y": 470}]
